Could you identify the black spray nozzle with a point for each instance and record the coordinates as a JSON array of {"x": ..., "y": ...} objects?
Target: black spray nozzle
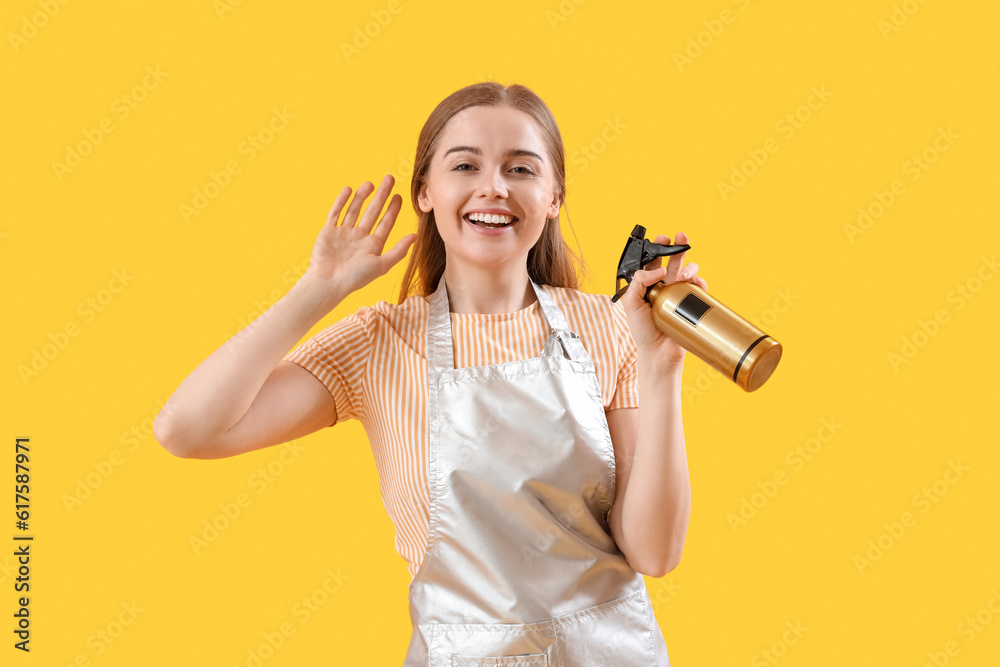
[{"x": 637, "y": 254}]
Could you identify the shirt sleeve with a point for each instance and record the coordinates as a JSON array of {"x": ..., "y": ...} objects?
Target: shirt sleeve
[
  {"x": 338, "y": 356},
  {"x": 627, "y": 387}
]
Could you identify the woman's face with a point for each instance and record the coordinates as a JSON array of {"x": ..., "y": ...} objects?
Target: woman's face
[{"x": 493, "y": 161}]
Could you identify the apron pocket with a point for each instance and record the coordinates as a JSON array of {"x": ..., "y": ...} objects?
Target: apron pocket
[
  {"x": 621, "y": 632},
  {"x": 533, "y": 660},
  {"x": 480, "y": 645},
  {"x": 616, "y": 633}
]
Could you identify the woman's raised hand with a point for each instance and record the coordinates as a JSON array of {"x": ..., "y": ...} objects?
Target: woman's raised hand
[{"x": 348, "y": 255}]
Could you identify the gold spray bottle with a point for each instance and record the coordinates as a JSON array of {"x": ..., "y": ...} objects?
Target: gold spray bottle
[{"x": 699, "y": 322}]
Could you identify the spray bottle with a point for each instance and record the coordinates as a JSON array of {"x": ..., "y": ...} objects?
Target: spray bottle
[{"x": 699, "y": 322}]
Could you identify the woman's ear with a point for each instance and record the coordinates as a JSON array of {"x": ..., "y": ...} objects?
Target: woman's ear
[
  {"x": 424, "y": 200},
  {"x": 553, "y": 210}
]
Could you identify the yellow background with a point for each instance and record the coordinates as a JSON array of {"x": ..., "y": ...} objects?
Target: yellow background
[{"x": 779, "y": 249}]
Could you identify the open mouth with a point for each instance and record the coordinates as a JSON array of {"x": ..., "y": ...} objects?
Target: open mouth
[{"x": 490, "y": 221}]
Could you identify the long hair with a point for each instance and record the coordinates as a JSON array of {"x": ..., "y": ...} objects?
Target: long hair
[{"x": 550, "y": 260}]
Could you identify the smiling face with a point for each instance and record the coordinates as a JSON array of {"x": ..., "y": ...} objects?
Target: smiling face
[{"x": 490, "y": 161}]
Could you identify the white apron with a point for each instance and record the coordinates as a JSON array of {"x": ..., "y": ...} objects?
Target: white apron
[{"x": 521, "y": 568}]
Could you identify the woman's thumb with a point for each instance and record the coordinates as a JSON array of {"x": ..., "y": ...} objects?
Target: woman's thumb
[{"x": 399, "y": 250}]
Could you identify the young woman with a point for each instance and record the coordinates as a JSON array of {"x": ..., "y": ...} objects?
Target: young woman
[{"x": 528, "y": 489}]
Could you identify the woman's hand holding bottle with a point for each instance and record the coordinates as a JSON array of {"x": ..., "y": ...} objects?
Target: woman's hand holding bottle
[
  {"x": 656, "y": 347},
  {"x": 348, "y": 254}
]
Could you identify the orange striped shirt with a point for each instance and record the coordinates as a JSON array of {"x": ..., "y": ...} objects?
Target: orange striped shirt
[{"x": 374, "y": 364}]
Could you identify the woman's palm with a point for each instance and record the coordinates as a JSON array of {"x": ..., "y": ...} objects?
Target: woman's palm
[{"x": 348, "y": 256}]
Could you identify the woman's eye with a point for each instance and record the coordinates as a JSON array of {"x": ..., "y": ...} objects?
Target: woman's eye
[{"x": 521, "y": 169}]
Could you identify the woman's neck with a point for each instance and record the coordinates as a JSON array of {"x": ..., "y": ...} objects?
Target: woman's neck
[{"x": 473, "y": 289}]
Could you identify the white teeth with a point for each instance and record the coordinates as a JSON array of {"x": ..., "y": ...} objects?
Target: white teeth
[{"x": 492, "y": 219}]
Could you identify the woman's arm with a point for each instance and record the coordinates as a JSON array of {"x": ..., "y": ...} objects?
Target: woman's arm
[
  {"x": 652, "y": 505},
  {"x": 241, "y": 398}
]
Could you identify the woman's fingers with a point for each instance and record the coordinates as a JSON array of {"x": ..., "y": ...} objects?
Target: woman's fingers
[
  {"x": 388, "y": 218},
  {"x": 689, "y": 270},
  {"x": 674, "y": 265},
  {"x": 375, "y": 207},
  {"x": 676, "y": 269},
  {"x": 690, "y": 274},
  {"x": 662, "y": 239},
  {"x": 398, "y": 251},
  {"x": 354, "y": 209},
  {"x": 338, "y": 206},
  {"x": 640, "y": 281}
]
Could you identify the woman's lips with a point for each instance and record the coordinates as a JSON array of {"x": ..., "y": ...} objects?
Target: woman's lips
[{"x": 489, "y": 231}]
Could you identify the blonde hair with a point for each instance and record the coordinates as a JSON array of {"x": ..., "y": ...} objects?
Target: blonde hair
[{"x": 550, "y": 261}]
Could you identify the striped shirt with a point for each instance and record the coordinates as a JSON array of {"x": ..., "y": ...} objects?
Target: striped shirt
[{"x": 374, "y": 364}]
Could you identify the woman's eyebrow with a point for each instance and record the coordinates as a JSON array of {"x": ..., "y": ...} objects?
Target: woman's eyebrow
[{"x": 514, "y": 152}]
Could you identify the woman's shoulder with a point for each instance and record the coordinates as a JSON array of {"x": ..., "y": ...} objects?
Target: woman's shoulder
[
  {"x": 385, "y": 315},
  {"x": 414, "y": 303},
  {"x": 376, "y": 325}
]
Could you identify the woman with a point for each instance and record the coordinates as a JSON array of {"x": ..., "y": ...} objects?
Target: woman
[{"x": 528, "y": 492}]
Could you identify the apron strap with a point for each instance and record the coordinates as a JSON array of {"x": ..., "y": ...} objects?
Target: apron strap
[
  {"x": 440, "y": 353},
  {"x": 440, "y": 348},
  {"x": 571, "y": 345}
]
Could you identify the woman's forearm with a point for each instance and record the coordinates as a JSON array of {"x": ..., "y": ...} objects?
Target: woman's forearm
[
  {"x": 217, "y": 393},
  {"x": 656, "y": 506}
]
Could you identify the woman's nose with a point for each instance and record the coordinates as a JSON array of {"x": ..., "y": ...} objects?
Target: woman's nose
[{"x": 492, "y": 184}]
